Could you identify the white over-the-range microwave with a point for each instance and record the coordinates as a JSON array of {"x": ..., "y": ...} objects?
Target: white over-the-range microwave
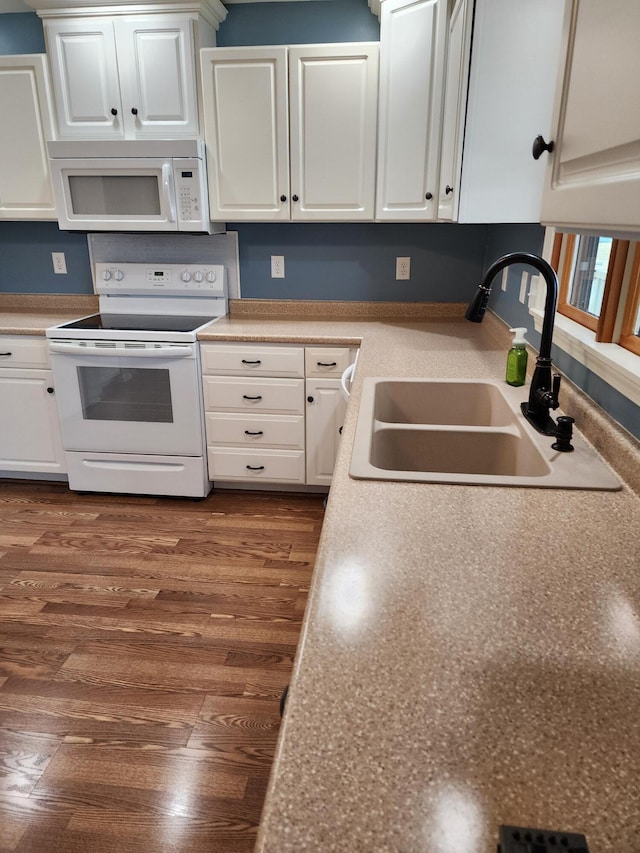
[{"x": 131, "y": 185}]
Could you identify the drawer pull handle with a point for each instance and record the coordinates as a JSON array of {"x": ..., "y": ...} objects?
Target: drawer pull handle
[
  {"x": 255, "y": 432},
  {"x": 247, "y": 397},
  {"x": 246, "y": 361},
  {"x": 327, "y": 363},
  {"x": 6, "y": 353},
  {"x": 255, "y": 467}
]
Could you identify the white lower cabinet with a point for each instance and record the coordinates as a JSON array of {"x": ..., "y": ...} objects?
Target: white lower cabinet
[
  {"x": 29, "y": 427},
  {"x": 273, "y": 412}
]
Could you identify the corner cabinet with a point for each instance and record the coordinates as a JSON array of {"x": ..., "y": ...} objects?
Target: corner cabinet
[
  {"x": 291, "y": 131},
  {"x": 593, "y": 172},
  {"x": 25, "y": 103},
  {"x": 29, "y": 428},
  {"x": 273, "y": 413},
  {"x": 412, "y": 54},
  {"x": 502, "y": 64},
  {"x": 124, "y": 76}
]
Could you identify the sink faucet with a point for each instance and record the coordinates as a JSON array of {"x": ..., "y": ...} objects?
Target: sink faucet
[{"x": 543, "y": 394}]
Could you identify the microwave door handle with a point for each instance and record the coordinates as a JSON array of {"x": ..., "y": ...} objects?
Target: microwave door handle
[
  {"x": 153, "y": 352},
  {"x": 167, "y": 183}
]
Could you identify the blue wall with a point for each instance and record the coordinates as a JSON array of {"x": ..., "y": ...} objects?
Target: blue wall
[
  {"x": 21, "y": 33},
  {"x": 26, "y": 265}
]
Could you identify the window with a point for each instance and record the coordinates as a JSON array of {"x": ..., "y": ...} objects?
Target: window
[{"x": 600, "y": 286}]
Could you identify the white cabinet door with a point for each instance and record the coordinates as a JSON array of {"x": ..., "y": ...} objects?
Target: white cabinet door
[
  {"x": 25, "y": 103},
  {"x": 333, "y": 93},
  {"x": 84, "y": 72},
  {"x": 29, "y": 428},
  {"x": 454, "y": 110},
  {"x": 246, "y": 125},
  {"x": 326, "y": 407},
  {"x": 158, "y": 75},
  {"x": 593, "y": 175},
  {"x": 412, "y": 50}
]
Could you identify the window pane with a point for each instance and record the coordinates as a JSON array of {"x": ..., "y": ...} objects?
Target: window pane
[
  {"x": 635, "y": 330},
  {"x": 125, "y": 394},
  {"x": 115, "y": 195},
  {"x": 590, "y": 273}
]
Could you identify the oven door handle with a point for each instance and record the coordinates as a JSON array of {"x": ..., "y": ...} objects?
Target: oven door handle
[{"x": 106, "y": 352}]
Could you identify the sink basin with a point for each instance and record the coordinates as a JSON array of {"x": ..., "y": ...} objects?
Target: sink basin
[{"x": 463, "y": 431}]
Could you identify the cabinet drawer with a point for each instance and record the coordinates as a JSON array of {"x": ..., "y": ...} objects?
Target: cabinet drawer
[
  {"x": 276, "y": 466},
  {"x": 23, "y": 351},
  {"x": 246, "y": 360},
  {"x": 265, "y": 430},
  {"x": 327, "y": 361},
  {"x": 227, "y": 394}
]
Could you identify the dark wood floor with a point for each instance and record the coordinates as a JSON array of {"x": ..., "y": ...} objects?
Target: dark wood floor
[{"x": 144, "y": 645}]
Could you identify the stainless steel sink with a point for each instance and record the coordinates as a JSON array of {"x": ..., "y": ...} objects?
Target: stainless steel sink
[{"x": 463, "y": 431}]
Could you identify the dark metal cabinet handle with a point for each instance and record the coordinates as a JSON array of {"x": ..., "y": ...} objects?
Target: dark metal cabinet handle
[
  {"x": 257, "y": 397},
  {"x": 327, "y": 363},
  {"x": 114, "y": 111},
  {"x": 5, "y": 353},
  {"x": 134, "y": 111},
  {"x": 540, "y": 146},
  {"x": 448, "y": 189},
  {"x": 49, "y": 390},
  {"x": 429, "y": 196},
  {"x": 246, "y": 361},
  {"x": 295, "y": 198},
  {"x": 283, "y": 198},
  {"x": 255, "y": 467},
  {"x": 255, "y": 432}
]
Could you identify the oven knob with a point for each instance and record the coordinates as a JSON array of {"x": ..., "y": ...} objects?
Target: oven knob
[
  {"x": 119, "y": 275},
  {"x": 186, "y": 275},
  {"x": 106, "y": 275},
  {"x": 211, "y": 276},
  {"x": 197, "y": 276}
]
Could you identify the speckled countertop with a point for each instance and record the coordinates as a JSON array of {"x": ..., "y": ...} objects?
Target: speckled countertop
[
  {"x": 470, "y": 655},
  {"x": 32, "y": 314}
]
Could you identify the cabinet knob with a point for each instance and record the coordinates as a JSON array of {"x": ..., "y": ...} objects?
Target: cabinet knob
[
  {"x": 309, "y": 399},
  {"x": 134, "y": 111},
  {"x": 429, "y": 196},
  {"x": 540, "y": 146},
  {"x": 294, "y": 198},
  {"x": 448, "y": 189},
  {"x": 114, "y": 111},
  {"x": 283, "y": 198},
  {"x": 49, "y": 390}
]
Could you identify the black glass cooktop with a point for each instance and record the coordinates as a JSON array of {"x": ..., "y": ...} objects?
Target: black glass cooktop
[{"x": 138, "y": 323}]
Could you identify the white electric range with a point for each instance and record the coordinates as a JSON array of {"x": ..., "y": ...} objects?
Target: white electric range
[{"x": 128, "y": 380}]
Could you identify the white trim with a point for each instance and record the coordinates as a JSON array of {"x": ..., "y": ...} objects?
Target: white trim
[{"x": 611, "y": 362}]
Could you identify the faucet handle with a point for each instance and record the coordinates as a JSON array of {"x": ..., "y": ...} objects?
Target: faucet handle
[{"x": 555, "y": 390}]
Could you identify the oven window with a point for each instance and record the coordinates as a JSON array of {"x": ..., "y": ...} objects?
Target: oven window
[
  {"x": 125, "y": 394},
  {"x": 114, "y": 195}
]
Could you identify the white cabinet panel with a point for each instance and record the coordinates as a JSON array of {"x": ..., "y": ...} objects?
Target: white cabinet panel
[
  {"x": 231, "y": 428},
  {"x": 29, "y": 428},
  {"x": 412, "y": 50},
  {"x": 25, "y": 184},
  {"x": 248, "y": 360},
  {"x": 326, "y": 407},
  {"x": 227, "y": 393},
  {"x": 273, "y": 466},
  {"x": 246, "y": 122},
  {"x": 333, "y": 105},
  {"x": 593, "y": 175}
]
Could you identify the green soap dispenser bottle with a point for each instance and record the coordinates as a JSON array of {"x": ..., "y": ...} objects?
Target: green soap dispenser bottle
[{"x": 517, "y": 358}]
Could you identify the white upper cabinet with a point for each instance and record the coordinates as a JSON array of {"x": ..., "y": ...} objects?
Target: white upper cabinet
[
  {"x": 25, "y": 185},
  {"x": 290, "y": 132},
  {"x": 593, "y": 174},
  {"x": 502, "y": 66},
  {"x": 246, "y": 125},
  {"x": 126, "y": 77},
  {"x": 412, "y": 55}
]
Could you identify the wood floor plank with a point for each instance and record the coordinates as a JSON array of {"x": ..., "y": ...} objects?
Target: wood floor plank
[{"x": 144, "y": 646}]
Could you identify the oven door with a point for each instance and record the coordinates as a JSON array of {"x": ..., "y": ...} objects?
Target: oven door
[
  {"x": 118, "y": 398},
  {"x": 122, "y": 194}
]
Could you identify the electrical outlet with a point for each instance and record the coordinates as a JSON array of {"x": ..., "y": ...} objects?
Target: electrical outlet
[
  {"x": 59, "y": 263},
  {"x": 277, "y": 266},
  {"x": 403, "y": 269}
]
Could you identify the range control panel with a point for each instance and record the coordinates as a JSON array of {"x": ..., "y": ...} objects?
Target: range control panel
[{"x": 163, "y": 279}]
